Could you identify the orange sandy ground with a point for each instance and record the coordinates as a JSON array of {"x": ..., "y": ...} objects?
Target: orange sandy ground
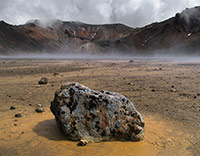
[{"x": 172, "y": 118}]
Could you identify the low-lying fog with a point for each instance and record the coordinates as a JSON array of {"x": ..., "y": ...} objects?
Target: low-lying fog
[{"x": 155, "y": 57}]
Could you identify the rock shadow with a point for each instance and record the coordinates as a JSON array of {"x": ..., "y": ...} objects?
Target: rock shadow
[{"x": 49, "y": 130}]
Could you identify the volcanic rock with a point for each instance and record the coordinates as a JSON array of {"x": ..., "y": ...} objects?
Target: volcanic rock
[
  {"x": 92, "y": 116},
  {"x": 43, "y": 80},
  {"x": 39, "y": 110},
  {"x": 12, "y": 107},
  {"x": 82, "y": 143},
  {"x": 38, "y": 86},
  {"x": 18, "y": 115},
  {"x": 55, "y": 74},
  {"x": 131, "y": 84},
  {"x": 173, "y": 90},
  {"x": 39, "y": 105}
]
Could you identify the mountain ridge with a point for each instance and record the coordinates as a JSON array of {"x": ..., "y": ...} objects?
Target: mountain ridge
[{"x": 179, "y": 33}]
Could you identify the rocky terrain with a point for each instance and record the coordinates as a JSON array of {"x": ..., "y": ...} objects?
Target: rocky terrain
[
  {"x": 177, "y": 35},
  {"x": 166, "y": 93}
]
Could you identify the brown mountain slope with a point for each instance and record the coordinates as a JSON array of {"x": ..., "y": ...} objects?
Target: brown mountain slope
[{"x": 180, "y": 33}]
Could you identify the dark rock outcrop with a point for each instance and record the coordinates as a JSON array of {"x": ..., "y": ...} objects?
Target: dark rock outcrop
[{"x": 91, "y": 116}]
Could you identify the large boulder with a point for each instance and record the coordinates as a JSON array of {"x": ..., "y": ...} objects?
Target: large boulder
[{"x": 85, "y": 114}]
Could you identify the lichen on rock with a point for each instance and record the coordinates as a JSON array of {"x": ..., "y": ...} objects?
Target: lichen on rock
[{"x": 85, "y": 114}]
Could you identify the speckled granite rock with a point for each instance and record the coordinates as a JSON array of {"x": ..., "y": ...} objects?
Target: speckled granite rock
[{"x": 85, "y": 114}]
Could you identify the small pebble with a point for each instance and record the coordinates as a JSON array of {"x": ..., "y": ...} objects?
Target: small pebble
[
  {"x": 43, "y": 80},
  {"x": 130, "y": 83},
  {"x": 15, "y": 124},
  {"x": 153, "y": 90},
  {"x": 131, "y": 61},
  {"x": 173, "y": 90},
  {"x": 54, "y": 74},
  {"x": 12, "y": 107},
  {"x": 18, "y": 115},
  {"x": 39, "y": 105},
  {"x": 39, "y": 110},
  {"x": 38, "y": 86},
  {"x": 82, "y": 143}
]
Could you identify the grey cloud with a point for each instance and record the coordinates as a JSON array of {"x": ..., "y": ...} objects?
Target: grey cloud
[{"x": 130, "y": 12}]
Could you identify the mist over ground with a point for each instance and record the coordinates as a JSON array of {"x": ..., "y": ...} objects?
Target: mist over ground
[
  {"x": 114, "y": 56},
  {"x": 130, "y": 12}
]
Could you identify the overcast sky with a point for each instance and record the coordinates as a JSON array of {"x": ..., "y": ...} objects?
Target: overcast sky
[{"x": 130, "y": 12}]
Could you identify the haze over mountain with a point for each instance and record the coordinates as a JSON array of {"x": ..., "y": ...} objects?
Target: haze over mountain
[
  {"x": 179, "y": 34},
  {"x": 133, "y": 13}
]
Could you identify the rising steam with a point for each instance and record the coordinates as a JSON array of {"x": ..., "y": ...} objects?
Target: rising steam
[{"x": 130, "y": 12}]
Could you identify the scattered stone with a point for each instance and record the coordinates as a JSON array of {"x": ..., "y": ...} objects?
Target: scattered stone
[
  {"x": 82, "y": 143},
  {"x": 172, "y": 86},
  {"x": 12, "y": 107},
  {"x": 39, "y": 105},
  {"x": 195, "y": 97},
  {"x": 173, "y": 90},
  {"x": 131, "y": 84},
  {"x": 38, "y": 86},
  {"x": 52, "y": 85},
  {"x": 184, "y": 94},
  {"x": 55, "y": 74},
  {"x": 30, "y": 104},
  {"x": 153, "y": 90},
  {"x": 160, "y": 68},
  {"x": 198, "y": 94},
  {"x": 92, "y": 116},
  {"x": 15, "y": 124},
  {"x": 43, "y": 80},
  {"x": 131, "y": 61},
  {"x": 39, "y": 110},
  {"x": 18, "y": 115}
]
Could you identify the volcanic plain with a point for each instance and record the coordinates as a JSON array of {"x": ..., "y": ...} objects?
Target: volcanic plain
[{"x": 165, "y": 92}]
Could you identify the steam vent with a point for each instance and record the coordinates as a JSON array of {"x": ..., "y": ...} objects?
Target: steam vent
[{"x": 91, "y": 116}]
